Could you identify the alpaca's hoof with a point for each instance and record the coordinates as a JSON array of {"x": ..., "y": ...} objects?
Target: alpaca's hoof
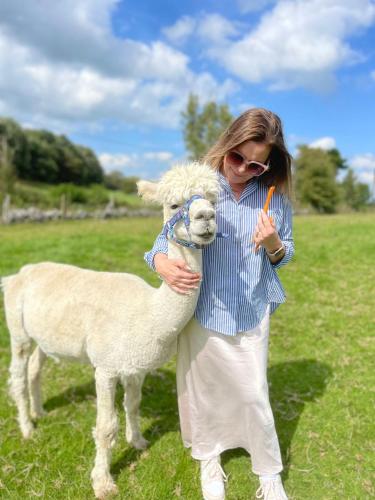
[
  {"x": 140, "y": 443},
  {"x": 27, "y": 429},
  {"x": 39, "y": 413},
  {"x": 104, "y": 487}
]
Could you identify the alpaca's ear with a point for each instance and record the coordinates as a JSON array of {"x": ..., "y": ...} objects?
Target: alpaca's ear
[{"x": 148, "y": 191}]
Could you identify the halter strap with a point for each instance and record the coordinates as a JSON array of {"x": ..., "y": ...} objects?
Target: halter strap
[{"x": 183, "y": 214}]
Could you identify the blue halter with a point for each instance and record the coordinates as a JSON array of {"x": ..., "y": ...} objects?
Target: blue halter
[{"x": 183, "y": 214}]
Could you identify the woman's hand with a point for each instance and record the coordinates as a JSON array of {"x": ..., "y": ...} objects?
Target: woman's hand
[
  {"x": 176, "y": 273},
  {"x": 265, "y": 234}
]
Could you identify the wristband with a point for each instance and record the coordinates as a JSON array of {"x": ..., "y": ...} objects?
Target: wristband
[{"x": 277, "y": 252}]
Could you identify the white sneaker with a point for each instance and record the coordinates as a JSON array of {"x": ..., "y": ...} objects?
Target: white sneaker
[
  {"x": 271, "y": 489},
  {"x": 212, "y": 479}
]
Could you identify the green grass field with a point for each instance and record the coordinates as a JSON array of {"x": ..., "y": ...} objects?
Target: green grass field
[{"x": 319, "y": 373}]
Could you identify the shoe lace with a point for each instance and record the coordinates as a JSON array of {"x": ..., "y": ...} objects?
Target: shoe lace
[
  {"x": 266, "y": 489},
  {"x": 214, "y": 470}
]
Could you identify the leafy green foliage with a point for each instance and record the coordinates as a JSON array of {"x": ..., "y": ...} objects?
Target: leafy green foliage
[
  {"x": 40, "y": 155},
  {"x": 45, "y": 196},
  {"x": 356, "y": 194},
  {"x": 16, "y": 142},
  {"x": 117, "y": 181},
  {"x": 320, "y": 374},
  {"x": 339, "y": 162},
  {"x": 316, "y": 185},
  {"x": 201, "y": 129}
]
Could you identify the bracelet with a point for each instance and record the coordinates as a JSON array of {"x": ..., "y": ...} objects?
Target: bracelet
[{"x": 276, "y": 253}]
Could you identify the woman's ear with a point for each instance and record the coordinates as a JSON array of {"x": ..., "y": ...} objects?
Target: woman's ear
[{"x": 148, "y": 191}]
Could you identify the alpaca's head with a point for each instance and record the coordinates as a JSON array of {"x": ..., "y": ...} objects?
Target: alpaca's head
[{"x": 176, "y": 187}]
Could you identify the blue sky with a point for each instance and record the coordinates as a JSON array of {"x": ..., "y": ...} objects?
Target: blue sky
[{"x": 115, "y": 75}]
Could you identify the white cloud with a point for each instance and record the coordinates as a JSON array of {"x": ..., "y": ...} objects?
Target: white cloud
[
  {"x": 164, "y": 156},
  {"x": 364, "y": 168},
  {"x": 246, "y": 6},
  {"x": 210, "y": 28},
  {"x": 79, "y": 32},
  {"x": 181, "y": 30},
  {"x": 124, "y": 162},
  {"x": 365, "y": 161},
  {"x": 325, "y": 143},
  {"x": 71, "y": 70},
  {"x": 215, "y": 28},
  {"x": 243, "y": 106},
  {"x": 298, "y": 43},
  {"x": 116, "y": 161}
]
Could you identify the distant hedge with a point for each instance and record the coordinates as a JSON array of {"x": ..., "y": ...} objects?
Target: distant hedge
[{"x": 40, "y": 155}]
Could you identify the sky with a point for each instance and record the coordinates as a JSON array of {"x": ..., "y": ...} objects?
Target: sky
[{"x": 115, "y": 75}]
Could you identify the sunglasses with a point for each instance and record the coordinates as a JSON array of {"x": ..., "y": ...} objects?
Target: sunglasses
[{"x": 255, "y": 167}]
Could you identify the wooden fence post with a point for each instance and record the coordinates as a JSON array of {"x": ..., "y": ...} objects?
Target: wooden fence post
[{"x": 5, "y": 209}]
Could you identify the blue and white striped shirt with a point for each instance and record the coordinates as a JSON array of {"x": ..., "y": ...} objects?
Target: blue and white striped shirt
[{"x": 238, "y": 283}]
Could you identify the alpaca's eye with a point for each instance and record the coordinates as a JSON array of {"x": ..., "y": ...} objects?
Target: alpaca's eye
[{"x": 173, "y": 207}]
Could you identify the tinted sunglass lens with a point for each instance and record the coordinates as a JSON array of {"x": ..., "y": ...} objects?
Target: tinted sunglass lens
[
  {"x": 256, "y": 169},
  {"x": 235, "y": 158}
]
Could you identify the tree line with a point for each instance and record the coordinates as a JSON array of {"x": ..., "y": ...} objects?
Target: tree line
[
  {"x": 40, "y": 155},
  {"x": 315, "y": 171}
]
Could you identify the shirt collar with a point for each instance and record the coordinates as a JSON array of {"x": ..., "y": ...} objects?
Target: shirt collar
[{"x": 250, "y": 187}]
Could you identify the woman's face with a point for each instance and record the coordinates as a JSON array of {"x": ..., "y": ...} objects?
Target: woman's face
[{"x": 251, "y": 151}]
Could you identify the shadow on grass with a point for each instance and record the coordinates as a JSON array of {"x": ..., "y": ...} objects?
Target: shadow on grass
[
  {"x": 74, "y": 394},
  {"x": 291, "y": 386},
  {"x": 159, "y": 404}
]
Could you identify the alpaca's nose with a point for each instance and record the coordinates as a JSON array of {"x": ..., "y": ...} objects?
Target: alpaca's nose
[{"x": 205, "y": 214}]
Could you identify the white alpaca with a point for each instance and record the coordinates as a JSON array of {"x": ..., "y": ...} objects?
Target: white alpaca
[{"x": 115, "y": 321}]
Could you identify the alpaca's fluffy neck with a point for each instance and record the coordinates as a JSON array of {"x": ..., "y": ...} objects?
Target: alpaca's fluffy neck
[{"x": 179, "y": 308}]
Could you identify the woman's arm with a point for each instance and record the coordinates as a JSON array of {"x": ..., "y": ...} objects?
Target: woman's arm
[
  {"x": 160, "y": 246},
  {"x": 175, "y": 272}
]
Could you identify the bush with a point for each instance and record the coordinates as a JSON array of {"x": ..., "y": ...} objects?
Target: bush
[
  {"x": 97, "y": 195},
  {"x": 74, "y": 194}
]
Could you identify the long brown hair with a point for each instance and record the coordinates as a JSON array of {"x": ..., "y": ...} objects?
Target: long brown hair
[{"x": 258, "y": 125}]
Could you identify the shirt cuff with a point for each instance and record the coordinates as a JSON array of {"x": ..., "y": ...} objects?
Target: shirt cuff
[
  {"x": 289, "y": 251},
  {"x": 149, "y": 257}
]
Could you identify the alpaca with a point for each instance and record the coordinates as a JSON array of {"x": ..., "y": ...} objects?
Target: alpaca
[{"x": 116, "y": 322}]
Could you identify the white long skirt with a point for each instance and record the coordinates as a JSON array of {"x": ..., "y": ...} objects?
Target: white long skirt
[{"x": 223, "y": 395}]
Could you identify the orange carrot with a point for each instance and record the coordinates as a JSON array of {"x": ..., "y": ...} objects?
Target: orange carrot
[
  {"x": 266, "y": 205},
  {"x": 269, "y": 196}
]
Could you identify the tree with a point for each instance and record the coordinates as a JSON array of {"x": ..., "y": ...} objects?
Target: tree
[
  {"x": 17, "y": 145},
  {"x": 338, "y": 160},
  {"x": 117, "y": 181},
  {"x": 43, "y": 156},
  {"x": 316, "y": 186},
  {"x": 201, "y": 129},
  {"x": 356, "y": 194}
]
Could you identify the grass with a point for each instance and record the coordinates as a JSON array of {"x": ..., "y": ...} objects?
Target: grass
[
  {"x": 48, "y": 196},
  {"x": 319, "y": 372}
]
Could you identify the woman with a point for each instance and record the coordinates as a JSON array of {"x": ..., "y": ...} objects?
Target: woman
[{"x": 222, "y": 353}]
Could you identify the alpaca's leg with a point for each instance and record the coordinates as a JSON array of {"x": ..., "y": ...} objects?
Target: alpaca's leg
[
  {"x": 104, "y": 433},
  {"x": 36, "y": 362},
  {"x": 18, "y": 382},
  {"x": 132, "y": 399}
]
